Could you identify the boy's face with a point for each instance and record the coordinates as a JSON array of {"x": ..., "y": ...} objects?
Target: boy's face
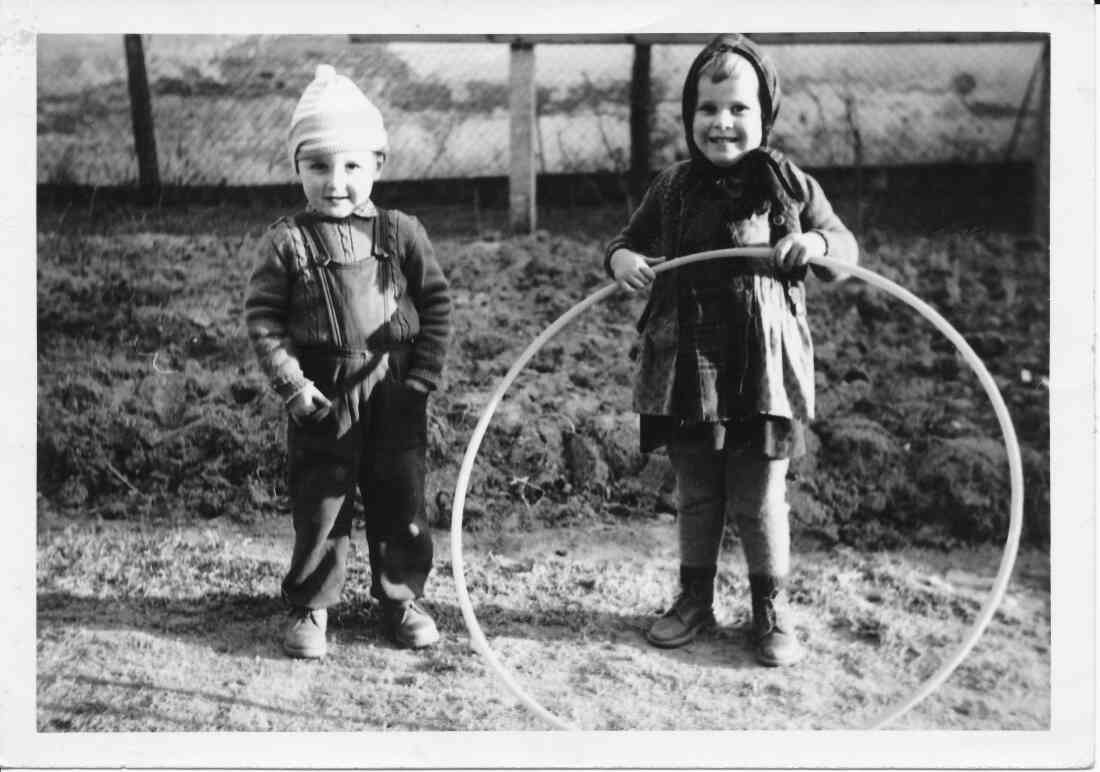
[
  {"x": 336, "y": 184},
  {"x": 727, "y": 121}
]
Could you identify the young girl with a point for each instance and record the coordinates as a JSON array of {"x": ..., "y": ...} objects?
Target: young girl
[
  {"x": 725, "y": 378},
  {"x": 349, "y": 314}
]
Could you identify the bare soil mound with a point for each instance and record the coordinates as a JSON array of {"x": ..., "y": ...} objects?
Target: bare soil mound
[{"x": 151, "y": 406}]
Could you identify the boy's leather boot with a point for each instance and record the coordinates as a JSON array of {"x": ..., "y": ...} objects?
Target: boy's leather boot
[
  {"x": 409, "y": 625},
  {"x": 774, "y": 636},
  {"x": 304, "y": 637},
  {"x": 691, "y": 612}
]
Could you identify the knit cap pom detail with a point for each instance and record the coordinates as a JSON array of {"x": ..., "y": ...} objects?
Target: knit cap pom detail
[{"x": 333, "y": 116}]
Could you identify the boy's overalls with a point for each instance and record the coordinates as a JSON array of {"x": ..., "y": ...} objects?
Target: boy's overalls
[{"x": 375, "y": 435}]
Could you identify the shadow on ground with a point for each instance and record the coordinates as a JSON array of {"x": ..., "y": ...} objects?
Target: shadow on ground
[
  {"x": 123, "y": 709},
  {"x": 249, "y": 625}
]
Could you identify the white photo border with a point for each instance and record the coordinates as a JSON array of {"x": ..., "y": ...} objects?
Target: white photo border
[{"x": 1071, "y": 738}]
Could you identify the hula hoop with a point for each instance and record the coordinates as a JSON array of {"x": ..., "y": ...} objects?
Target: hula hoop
[{"x": 1012, "y": 448}]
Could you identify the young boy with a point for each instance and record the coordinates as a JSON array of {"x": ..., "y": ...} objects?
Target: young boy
[
  {"x": 349, "y": 314},
  {"x": 725, "y": 378}
]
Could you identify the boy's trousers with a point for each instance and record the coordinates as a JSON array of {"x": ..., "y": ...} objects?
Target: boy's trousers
[
  {"x": 375, "y": 437},
  {"x": 746, "y": 489}
]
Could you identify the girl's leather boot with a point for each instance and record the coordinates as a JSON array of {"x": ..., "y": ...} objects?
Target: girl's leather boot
[
  {"x": 775, "y": 640},
  {"x": 691, "y": 612}
]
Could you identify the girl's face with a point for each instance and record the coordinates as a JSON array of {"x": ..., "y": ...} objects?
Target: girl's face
[
  {"x": 336, "y": 184},
  {"x": 727, "y": 121}
]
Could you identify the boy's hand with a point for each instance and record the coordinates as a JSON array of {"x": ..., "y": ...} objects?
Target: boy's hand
[
  {"x": 796, "y": 249},
  {"x": 309, "y": 404},
  {"x": 631, "y": 270},
  {"x": 417, "y": 385}
]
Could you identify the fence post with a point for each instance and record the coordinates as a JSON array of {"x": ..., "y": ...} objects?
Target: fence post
[
  {"x": 521, "y": 156},
  {"x": 640, "y": 112},
  {"x": 1040, "y": 224},
  {"x": 141, "y": 110}
]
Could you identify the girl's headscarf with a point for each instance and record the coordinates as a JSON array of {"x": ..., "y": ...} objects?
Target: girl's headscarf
[
  {"x": 758, "y": 175},
  {"x": 759, "y": 180},
  {"x": 769, "y": 91}
]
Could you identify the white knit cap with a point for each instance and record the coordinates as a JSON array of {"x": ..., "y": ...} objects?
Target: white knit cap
[{"x": 334, "y": 116}]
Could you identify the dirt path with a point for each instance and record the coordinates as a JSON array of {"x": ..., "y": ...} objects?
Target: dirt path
[{"x": 143, "y": 629}]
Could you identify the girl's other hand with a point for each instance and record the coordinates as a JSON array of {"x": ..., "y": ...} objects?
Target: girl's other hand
[
  {"x": 795, "y": 250},
  {"x": 633, "y": 271},
  {"x": 309, "y": 404}
]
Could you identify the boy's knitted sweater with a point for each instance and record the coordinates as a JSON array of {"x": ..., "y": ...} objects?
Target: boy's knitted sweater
[
  {"x": 728, "y": 339},
  {"x": 285, "y": 308}
]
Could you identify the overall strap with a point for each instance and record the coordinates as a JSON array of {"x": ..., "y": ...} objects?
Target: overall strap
[
  {"x": 319, "y": 259},
  {"x": 385, "y": 235},
  {"x": 386, "y": 249}
]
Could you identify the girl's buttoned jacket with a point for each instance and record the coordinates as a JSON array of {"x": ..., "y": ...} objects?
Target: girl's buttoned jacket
[{"x": 729, "y": 338}]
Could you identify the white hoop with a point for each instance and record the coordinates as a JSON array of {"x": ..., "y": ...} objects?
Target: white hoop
[{"x": 1012, "y": 448}]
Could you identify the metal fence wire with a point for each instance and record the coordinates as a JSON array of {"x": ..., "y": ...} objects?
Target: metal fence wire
[{"x": 221, "y": 105}]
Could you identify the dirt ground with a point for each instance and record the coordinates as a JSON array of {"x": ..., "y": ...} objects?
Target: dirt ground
[
  {"x": 154, "y": 629},
  {"x": 163, "y": 527},
  {"x": 167, "y": 418}
]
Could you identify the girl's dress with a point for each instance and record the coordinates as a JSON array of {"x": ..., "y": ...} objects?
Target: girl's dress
[{"x": 726, "y": 349}]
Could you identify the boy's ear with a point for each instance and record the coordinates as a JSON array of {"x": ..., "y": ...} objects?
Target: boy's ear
[{"x": 381, "y": 157}]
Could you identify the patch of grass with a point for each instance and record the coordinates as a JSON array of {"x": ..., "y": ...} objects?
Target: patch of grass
[{"x": 160, "y": 628}]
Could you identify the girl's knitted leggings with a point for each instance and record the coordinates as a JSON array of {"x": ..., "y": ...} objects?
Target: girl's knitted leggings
[{"x": 749, "y": 491}]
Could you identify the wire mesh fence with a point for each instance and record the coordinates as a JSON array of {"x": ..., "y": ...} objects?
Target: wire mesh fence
[{"x": 221, "y": 105}]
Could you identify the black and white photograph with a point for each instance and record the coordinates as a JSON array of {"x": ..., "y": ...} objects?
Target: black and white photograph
[{"x": 679, "y": 387}]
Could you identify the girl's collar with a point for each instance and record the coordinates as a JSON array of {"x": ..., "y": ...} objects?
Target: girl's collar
[{"x": 739, "y": 168}]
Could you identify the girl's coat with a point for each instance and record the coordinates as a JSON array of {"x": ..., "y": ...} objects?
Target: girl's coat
[{"x": 728, "y": 339}]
